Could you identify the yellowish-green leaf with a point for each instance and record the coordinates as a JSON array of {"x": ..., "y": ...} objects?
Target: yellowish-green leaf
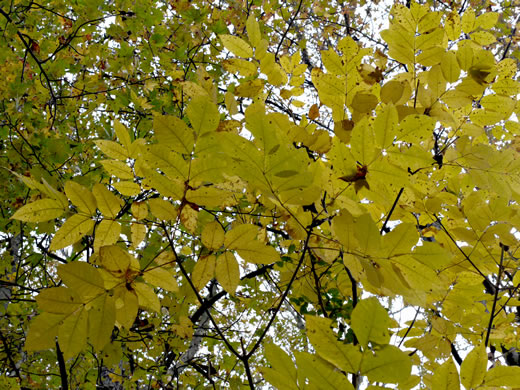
[
  {"x": 400, "y": 240},
  {"x": 367, "y": 235},
  {"x": 468, "y": 20},
  {"x": 127, "y": 188},
  {"x": 72, "y": 230},
  {"x": 203, "y": 271},
  {"x": 236, "y": 45},
  {"x": 385, "y": 126},
  {"x": 346, "y": 357},
  {"x": 227, "y": 272},
  {"x": 147, "y": 298},
  {"x": 174, "y": 133},
  {"x": 159, "y": 277},
  {"x": 321, "y": 374},
  {"x": 106, "y": 233},
  {"x": 259, "y": 253},
  {"x": 453, "y": 25},
  {"x": 483, "y": 38},
  {"x": 213, "y": 235},
  {"x": 240, "y": 236},
  {"x": 107, "y": 202},
  {"x": 118, "y": 169},
  {"x": 39, "y": 211},
  {"x": 370, "y": 322},
  {"x": 162, "y": 209},
  {"x": 501, "y": 376},
  {"x": 450, "y": 66},
  {"x": 112, "y": 149},
  {"x": 58, "y": 300},
  {"x": 126, "y": 304},
  {"x": 83, "y": 278},
  {"x": 473, "y": 368},
  {"x": 81, "y": 197},
  {"x": 487, "y": 20},
  {"x": 388, "y": 364},
  {"x": 139, "y": 210},
  {"x": 72, "y": 333},
  {"x": 138, "y": 233},
  {"x": 115, "y": 260},
  {"x": 203, "y": 114},
  {"x": 101, "y": 320},
  {"x": 253, "y": 30},
  {"x": 238, "y": 65},
  {"x": 43, "y": 331},
  {"x": 122, "y": 134},
  {"x": 446, "y": 377},
  {"x": 432, "y": 255}
]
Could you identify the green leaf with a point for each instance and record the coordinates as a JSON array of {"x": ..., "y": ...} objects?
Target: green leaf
[
  {"x": 370, "y": 322},
  {"x": 174, "y": 133},
  {"x": 282, "y": 366}
]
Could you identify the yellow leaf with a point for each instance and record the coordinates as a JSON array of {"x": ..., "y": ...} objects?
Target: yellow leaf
[
  {"x": 446, "y": 377},
  {"x": 42, "y": 332},
  {"x": 400, "y": 240},
  {"x": 39, "y": 211},
  {"x": 468, "y": 20},
  {"x": 203, "y": 271},
  {"x": 346, "y": 357},
  {"x": 147, "y": 298},
  {"x": 237, "y": 65},
  {"x": 483, "y": 38},
  {"x": 240, "y": 235},
  {"x": 213, "y": 235},
  {"x": 118, "y": 169},
  {"x": 81, "y": 197},
  {"x": 367, "y": 235},
  {"x": 453, "y": 26},
  {"x": 473, "y": 368},
  {"x": 231, "y": 103},
  {"x": 283, "y": 371},
  {"x": 370, "y": 322},
  {"x": 392, "y": 92},
  {"x": 236, "y": 45},
  {"x": 162, "y": 209},
  {"x": 364, "y": 102},
  {"x": 58, "y": 300},
  {"x": 122, "y": 134},
  {"x": 363, "y": 142},
  {"x": 227, "y": 272},
  {"x": 126, "y": 305},
  {"x": 107, "y": 202},
  {"x": 112, "y": 149},
  {"x": 106, "y": 233},
  {"x": 139, "y": 210},
  {"x": 127, "y": 188},
  {"x": 487, "y": 20},
  {"x": 333, "y": 62},
  {"x": 159, "y": 277},
  {"x": 388, "y": 364},
  {"x": 83, "y": 278},
  {"x": 189, "y": 219},
  {"x": 249, "y": 89},
  {"x": 321, "y": 375},
  {"x": 115, "y": 260},
  {"x": 101, "y": 320},
  {"x": 385, "y": 126},
  {"x": 501, "y": 376},
  {"x": 72, "y": 333},
  {"x": 174, "y": 133},
  {"x": 138, "y": 233},
  {"x": 400, "y": 44},
  {"x": 253, "y": 30},
  {"x": 450, "y": 67},
  {"x": 203, "y": 114},
  {"x": 72, "y": 230}
]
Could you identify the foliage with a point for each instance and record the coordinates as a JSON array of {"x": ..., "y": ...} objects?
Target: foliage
[{"x": 250, "y": 194}]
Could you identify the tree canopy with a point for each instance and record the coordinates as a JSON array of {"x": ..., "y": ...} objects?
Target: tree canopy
[{"x": 259, "y": 194}]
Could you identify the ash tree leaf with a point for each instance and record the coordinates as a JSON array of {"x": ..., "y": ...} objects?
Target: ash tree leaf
[
  {"x": 473, "y": 368},
  {"x": 101, "y": 320},
  {"x": 122, "y": 134},
  {"x": 83, "y": 278},
  {"x": 58, "y": 300},
  {"x": 174, "y": 133},
  {"x": 39, "y": 211},
  {"x": 107, "y": 202},
  {"x": 236, "y": 45},
  {"x": 203, "y": 271},
  {"x": 81, "y": 197},
  {"x": 159, "y": 277},
  {"x": 388, "y": 364},
  {"x": 147, "y": 298},
  {"x": 126, "y": 305},
  {"x": 115, "y": 260},
  {"x": 227, "y": 272},
  {"x": 346, "y": 357},
  {"x": 72, "y": 230},
  {"x": 112, "y": 149},
  {"x": 106, "y": 233},
  {"x": 203, "y": 114},
  {"x": 212, "y": 235},
  {"x": 370, "y": 322}
]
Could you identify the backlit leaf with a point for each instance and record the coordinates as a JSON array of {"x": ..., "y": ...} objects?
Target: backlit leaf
[
  {"x": 370, "y": 322},
  {"x": 72, "y": 230},
  {"x": 39, "y": 211},
  {"x": 473, "y": 368}
]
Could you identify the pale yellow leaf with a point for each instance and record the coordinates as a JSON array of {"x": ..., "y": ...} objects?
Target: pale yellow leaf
[
  {"x": 42, "y": 332},
  {"x": 112, "y": 149},
  {"x": 203, "y": 271},
  {"x": 107, "y": 202},
  {"x": 81, "y": 197},
  {"x": 236, "y": 45},
  {"x": 58, "y": 300},
  {"x": 162, "y": 209},
  {"x": 39, "y": 211}
]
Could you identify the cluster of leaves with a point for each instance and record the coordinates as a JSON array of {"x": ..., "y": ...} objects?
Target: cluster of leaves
[{"x": 231, "y": 194}]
